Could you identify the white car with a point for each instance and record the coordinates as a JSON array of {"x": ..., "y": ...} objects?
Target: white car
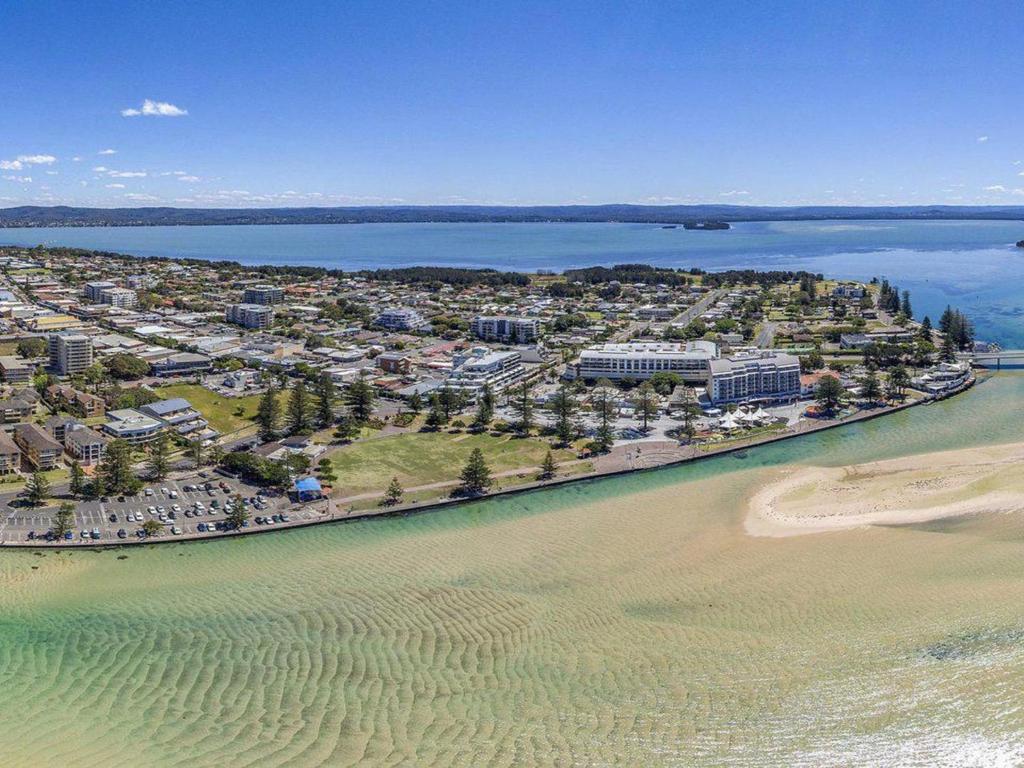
[
  {"x": 149, "y": 491},
  {"x": 176, "y": 508},
  {"x": 151, "y": 510},
  {"x": 174, "y": 494},
  {"x": 164, "y": 491}
]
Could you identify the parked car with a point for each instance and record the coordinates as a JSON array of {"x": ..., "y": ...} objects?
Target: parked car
[{"x": 122, "y": 533}]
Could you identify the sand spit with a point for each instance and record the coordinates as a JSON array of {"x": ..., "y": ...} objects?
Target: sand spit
[{"x": 912, "y": 489}]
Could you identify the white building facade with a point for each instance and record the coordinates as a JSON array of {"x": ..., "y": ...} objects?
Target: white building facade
[
  {"x": 770, "y": 376},
  {"x": 641, "y": 360}
]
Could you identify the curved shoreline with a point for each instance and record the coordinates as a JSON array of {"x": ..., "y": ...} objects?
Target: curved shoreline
[
  {"x": 530, "y": 487},
  {"x": 901, "y": 491}
]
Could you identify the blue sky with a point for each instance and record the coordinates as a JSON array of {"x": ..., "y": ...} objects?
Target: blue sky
[{"x": 356, "y": 103}]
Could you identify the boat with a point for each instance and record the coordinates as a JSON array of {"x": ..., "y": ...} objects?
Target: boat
[{"x": 669, "y": 226}]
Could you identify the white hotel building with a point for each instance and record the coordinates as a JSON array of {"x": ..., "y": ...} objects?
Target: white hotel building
[
  {"x": 771, "y": 376},
  {"x": 640, "y": 361},
  {"x": 498, "y": 370}
]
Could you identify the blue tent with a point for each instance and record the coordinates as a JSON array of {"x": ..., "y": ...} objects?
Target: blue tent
[{"x": 308, "y": 489}]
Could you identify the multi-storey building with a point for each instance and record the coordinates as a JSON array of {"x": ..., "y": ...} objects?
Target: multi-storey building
[
  {"x": 119, "y": 297},
  {"x": 70, "y": 353},
  {"x": 522, "y": 330},
  {"x": 772, "y": 376},
  {"x": 131, "y": 426},
  {"x": 482, "y": 368},
  {"x": 94, "y": 290},
  {"x": 86, "y": 445},
  {"x": 402, "y": 319},
  {"x": 14, "y": 370},
  {"x": 250, "y": 315},
  {"x": 641, "y": 360},
  {"x": 263, "y": 294},
  {"x": 10, "y": 455},
  {"x": 41, "y": 450}
]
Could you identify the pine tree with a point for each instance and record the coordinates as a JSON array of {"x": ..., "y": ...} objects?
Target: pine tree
[
  {"x": 268, "y": 415},
  {"x": 870, "y": 388},
  {"x": 548, "y": 467},
  {"x": 416, "y": 403},
  {"x": 298, "y": 408},
  {"x": 37, "y": 489},
  {"x": 484, "y": 409},
  {"x": 522, "y": 404},
  {"x": 476, "y": 475},
  {"x": 926, "y": 329},
  {"x": 360, "y": 398},
  {"x": 436, "y": 417},
  {"x": 905, "y": 307},
  {"x": 603, "y": 403},
  {"x": 393, "y": 495},
  {"x": 238, "y": 515},
  {"x": 345, "y": 429},
  {"x": 158, "y": 463},
  {"x": 829, "y": 394},
  {"x": 325, "y": 399},
  {"x": 115, "y": 471},
  {"x": 195, "y": 451},
  {"x": 564, "y": 407},
  {"x": 646, "y": 404},
  {"x": 64, "y": 520},
  {"x": 325, "y": 471},
  {"x": 77, "y": 484}
]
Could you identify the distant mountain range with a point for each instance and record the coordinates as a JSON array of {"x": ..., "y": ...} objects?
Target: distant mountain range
[{"x": 63, "y": 216}]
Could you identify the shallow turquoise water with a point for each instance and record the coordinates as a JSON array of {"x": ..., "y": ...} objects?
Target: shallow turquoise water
[{"x": 625, "y": 621}]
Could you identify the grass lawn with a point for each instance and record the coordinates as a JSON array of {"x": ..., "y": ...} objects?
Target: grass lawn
[
  {"x": 419, "y": 458},
  {"x": 220, "y": 411}
]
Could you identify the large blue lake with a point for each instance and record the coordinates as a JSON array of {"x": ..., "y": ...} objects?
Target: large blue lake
[{"x": 970, "y": 264}]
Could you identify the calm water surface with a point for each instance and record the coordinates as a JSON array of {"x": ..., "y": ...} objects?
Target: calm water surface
[
  {"x": 971, "y": 264},
  {"x": 627, "y": 621}
]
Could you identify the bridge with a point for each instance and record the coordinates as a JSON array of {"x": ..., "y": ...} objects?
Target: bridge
[{"x": 998, "y": 359}]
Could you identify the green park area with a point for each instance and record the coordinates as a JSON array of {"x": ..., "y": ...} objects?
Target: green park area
[
  {"x": 421, "y": 458},
  {"x": 225, "y": 414}
]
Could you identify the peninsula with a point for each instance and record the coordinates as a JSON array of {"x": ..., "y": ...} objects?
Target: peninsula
[{"x": 159, "y": 399}]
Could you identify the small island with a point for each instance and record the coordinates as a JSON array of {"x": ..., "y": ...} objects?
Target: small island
[
  {"x": 706, "y": 225},
  {"x": 1020, "y": 243}
]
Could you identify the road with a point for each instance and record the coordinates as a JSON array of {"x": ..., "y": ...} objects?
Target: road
[{"x": 766, "y": 335}]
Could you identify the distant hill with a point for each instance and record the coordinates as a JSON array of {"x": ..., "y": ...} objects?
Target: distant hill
[{"x": 63, "y": 216}]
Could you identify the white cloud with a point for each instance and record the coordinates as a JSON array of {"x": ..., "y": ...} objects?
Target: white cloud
[
  {"x": 140, "y": 198},
  {"x": 114, "y": 186},
  {"x": 21, "y": 161},
  {"x": 51, "y": 173},
  {"x": 20, "y": 179},
  {"x": 152, "y": 108},
  {"x": 101, "y": 169},
  {"x": 188, "y": 178},
  {"x": 995, "y": 188},
  {"x": 734, "y": 193},
  {"x": 126, "y": 174},
  {"x": 107, "y": 152},
  {"x": 76, "y": 159},
  {"x": 982, "y": 139}
]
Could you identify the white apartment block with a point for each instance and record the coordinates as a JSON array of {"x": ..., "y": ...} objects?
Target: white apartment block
[
  {"x": 70, "y": 353},
  {"x": 641, "y": 360},
  {"x": 521, "y": 330},
  {"x": 403, "y": 319},
  {"x": 119, "y": 297},
  {"x": 499, "y": 370},
  {"x": 773, "y": 376},
  {"x": 263, "y": 294},
  {"x": 250, "y": 315},
  {"x": 94, "y": 289}
]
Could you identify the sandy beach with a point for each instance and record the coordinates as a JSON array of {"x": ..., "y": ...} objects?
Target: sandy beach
[{"x": 912, "y": 489}]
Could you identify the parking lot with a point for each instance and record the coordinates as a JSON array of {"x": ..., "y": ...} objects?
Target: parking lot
[{"x": 183, "y": 506}]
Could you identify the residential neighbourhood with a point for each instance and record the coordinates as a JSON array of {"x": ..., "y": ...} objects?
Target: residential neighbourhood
[{"x": 289, "y": 377}]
